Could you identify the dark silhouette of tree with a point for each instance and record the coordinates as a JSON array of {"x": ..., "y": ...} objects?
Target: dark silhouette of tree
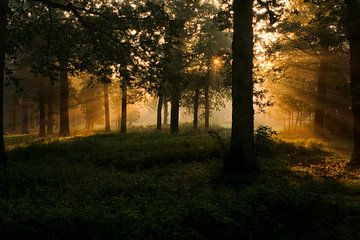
[
  {"x": 3, "y": 23},
  {"x": 353, "y": 31},
  {"x": 241, "y": 159}
]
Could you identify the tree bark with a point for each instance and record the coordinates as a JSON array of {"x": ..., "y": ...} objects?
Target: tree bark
[
  {"x": 175, "y": 108},
  {"x": 241, "y": 159},
  {"x": 50, "y": 112},
  {"x": 3, "y": 23},
  {"x": 42, "y": 115},
  {"x": 159, "y": 110},
  {"x": 353, "y": 21},
  {"x": 64, "y": 101},
  {"x": 207, "y": 103},
  {"x": 196, "y": 106},
  {"x": 123, "y": 101},
  {"x": 166, "y": 111},
  {"x": 107, "y": 109}
]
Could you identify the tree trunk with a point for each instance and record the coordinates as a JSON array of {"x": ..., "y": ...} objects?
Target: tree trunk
[
  {"x": 107, "y": 109},
  {"x": 320, "y": 99},
  {"x": 207, "y": 103},
  {"x": 42, "y": 115},
  {"x": 64, "y": 101},
  {"x": 166, "y": 111},
  {"x": 159, "y": 110},
  {"x": 3, "y": 23},
  {"x": 353, "y": 29},
  {"x": 196, "y": 106},
  {"x": 289, "y": 121},
  {"x": 50, "y": 113},
  {"x": 175, "y": 108},
  {"x": 24, "y": 117},
  {"x": 241, "y": 159},
  {"x": 123, "y": 104}
]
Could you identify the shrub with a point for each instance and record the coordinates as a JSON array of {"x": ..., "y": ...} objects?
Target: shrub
[{"x": 264, "y": 140}]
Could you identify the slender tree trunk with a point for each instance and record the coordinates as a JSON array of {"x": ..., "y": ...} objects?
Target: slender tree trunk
[
  {"x": 175, "y": 108},
  {"x": 289, "y": 121},
  {"x": 241, "y": 159},
  {"x": 50, "y": 112},
  {"x": 87, "y": 119},
  {"x": 24, "y": 117},
  {"x": 166, "y": 111},
  {"x": 3, "y": 23},
  {"x": 64, "y": 101},
  {"x": 320, "y": 99},
  {"x": 353, "y": 29},
  {"x": 284, "y": 122},
  {"x": 159, "y": 110},
  {"x": 42, "y": 115},
  {"x": 207, "y": 103},
  {"x": 118, "y": 122},
  {"x": 297, "y": 120},
  {"x": 107, "y": 109},
  {"x": 196, "y": 106},
  {"x": 123, "y": 105}
]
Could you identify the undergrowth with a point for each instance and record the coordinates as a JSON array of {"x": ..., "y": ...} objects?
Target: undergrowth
[{"x": 148, "y": 185}]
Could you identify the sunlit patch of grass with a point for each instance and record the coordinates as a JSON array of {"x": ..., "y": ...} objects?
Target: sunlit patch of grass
[{"x": 319, "y": 160}]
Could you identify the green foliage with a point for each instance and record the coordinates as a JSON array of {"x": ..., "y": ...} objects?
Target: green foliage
[{"x": 264, "y": 141}]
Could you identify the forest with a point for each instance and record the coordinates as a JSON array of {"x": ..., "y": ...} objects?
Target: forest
[{"x": 180, "y": 119}]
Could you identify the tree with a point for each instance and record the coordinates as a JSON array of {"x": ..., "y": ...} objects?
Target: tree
[
  {"x": 106, "y": 107},
  {"x": 3, "y": 23},
  {"x": 353, "y": 31},
  {"x": 241, "y": 159}
]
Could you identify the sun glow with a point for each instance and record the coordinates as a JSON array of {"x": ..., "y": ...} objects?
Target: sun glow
[{"x": 216, "y": 61}]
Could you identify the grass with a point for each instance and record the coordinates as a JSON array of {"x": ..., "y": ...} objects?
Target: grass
[{"x": 147, "y": 185}]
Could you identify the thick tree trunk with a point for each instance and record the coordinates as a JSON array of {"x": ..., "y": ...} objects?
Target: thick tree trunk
[
  {"x": 3, "y": 21},
  {"x": 320, "y": 99},
  {"x": 353, "y": 29},
  {"x": 166, "y": 111},
  {"x": 123, "y": 105},
  {"x": 24, "y": 117},
  {"x": 159, "y": 110},
  {"x": 196, "y": 106},
  {"x": 207, "y": 103},
  {"x": 64, "y": 101},
  {"x": 50, "y": 112},
  {"x": 241, "y": 159},
  {"x": 42, "y": 115},
  {"x": 107, "y": 109},
  {"x": 175, "y": 108}
]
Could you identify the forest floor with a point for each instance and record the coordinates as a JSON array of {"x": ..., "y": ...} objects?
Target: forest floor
[{"x": 149, "y": 185}]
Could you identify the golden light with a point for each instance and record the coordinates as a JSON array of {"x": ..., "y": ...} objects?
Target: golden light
[{"x": 216, "y": 61}]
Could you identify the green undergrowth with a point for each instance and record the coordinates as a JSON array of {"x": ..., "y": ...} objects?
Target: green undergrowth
[{"x": 146, "y": 185}]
